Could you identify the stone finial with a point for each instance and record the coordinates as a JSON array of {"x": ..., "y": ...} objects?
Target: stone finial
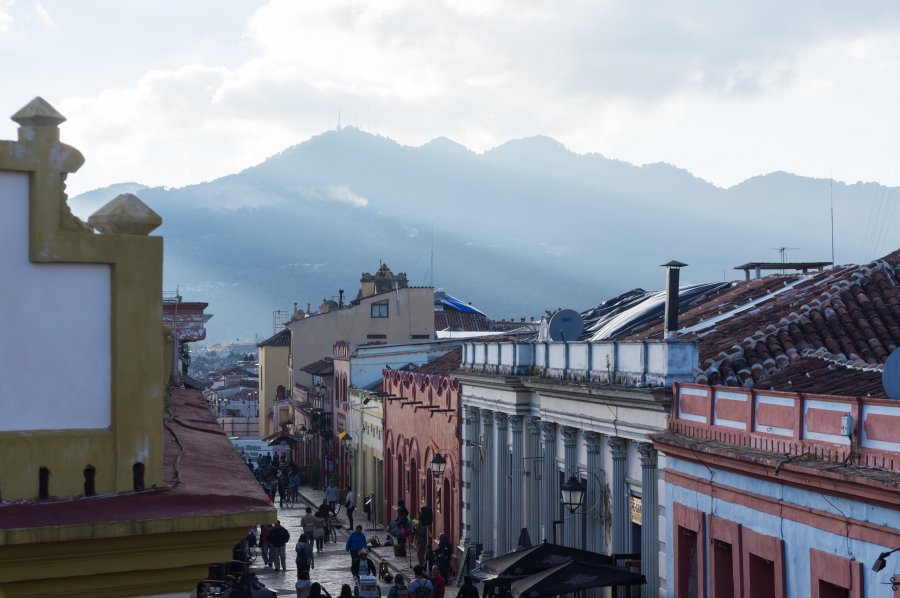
[
  {"x": 125, "y": 215},
  {"x": 38, "y": 113}
]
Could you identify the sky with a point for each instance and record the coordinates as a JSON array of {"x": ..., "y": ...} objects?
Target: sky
[{"x": 165, "y": 92}]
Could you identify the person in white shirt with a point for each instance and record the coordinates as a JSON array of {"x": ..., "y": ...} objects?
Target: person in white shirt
[{"x": 350, "y": 503}]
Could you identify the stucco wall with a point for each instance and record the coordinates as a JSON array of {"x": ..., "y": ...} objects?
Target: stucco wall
[
  {"x": 762, "y": 496},
  {"x": 55, "y": 344},
  {"x": 273, "y": 371},
  {"x": 410, "y": 312}
]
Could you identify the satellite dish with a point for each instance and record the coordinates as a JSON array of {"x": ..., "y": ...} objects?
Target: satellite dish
[
  {"x": 890, "y": 379},
  {"x": 566, "y": 325}
]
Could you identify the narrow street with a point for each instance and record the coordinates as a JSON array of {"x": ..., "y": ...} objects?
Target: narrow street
[{"x": 332, "y": 567}]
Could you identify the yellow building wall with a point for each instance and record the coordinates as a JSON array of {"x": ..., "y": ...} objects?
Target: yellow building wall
[{"x": 274, "y": 370}]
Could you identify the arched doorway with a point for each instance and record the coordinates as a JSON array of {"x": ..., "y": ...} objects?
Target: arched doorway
[
  {"x": 401, "y": 473},
  {"x": 388, "y": 487},
  {"x": 447, "y": 510},
  {"x": 414, "y": 497}
]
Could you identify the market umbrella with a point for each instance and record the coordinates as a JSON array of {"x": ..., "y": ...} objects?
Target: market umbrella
[
  {"x": 573, "y": 577},
  {"x": 541, "y": 557}
]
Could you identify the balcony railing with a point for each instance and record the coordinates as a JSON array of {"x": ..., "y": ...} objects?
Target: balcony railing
[{"x": 639, "y": 363}]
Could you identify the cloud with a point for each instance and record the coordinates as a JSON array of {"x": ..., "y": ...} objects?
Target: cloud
[
  {"x": 43, "y": 15},
  {"x": 343, "y": 194},
  {"x": 644, "y": 82},
  {"x": 7, "y": 21}
]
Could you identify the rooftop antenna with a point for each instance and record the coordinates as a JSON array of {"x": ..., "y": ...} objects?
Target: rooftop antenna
[
  {"x": 831, "y": 199},
  {"x": 431, "y": 266},
  {"x": 783, "y": 251}
]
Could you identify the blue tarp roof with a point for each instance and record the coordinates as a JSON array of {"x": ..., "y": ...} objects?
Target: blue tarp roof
[{"x": 454, "y": 303}]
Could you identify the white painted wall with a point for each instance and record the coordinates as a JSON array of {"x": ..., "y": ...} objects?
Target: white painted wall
[{"x": 55, "y": 342}]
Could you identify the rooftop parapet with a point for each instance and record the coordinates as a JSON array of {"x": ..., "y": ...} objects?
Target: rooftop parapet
[{"x": 637, "y": 363}]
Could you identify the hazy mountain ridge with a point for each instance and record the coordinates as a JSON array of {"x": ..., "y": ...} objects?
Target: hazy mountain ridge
[{"x": 525, "y": 226}]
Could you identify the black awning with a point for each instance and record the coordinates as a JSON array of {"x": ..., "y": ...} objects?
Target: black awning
[
  {"x": 288, "y": 439},
  {"x": 573, "y": 577}
]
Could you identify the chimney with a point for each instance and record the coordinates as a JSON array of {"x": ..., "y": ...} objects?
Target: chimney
[
  {"x": 340, "y": 298},
  {"x": 671, "y": 323}
]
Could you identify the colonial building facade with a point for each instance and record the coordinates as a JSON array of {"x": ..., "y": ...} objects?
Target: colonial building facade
[
  {"x": 536, "y": 414},
  {"x": 422, "y": 418},
  {"x": 781, "y": 494}
]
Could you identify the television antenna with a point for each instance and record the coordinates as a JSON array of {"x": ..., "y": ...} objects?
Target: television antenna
[{"x": 782, "y": 251}]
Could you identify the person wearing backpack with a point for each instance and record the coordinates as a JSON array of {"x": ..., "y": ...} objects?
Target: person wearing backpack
[
  {"x": 305, "y": 559},
  {"x": 398, "y": 590},
  {"x": 420, "y": 587}
]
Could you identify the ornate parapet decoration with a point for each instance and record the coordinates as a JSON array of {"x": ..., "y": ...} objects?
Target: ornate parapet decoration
[{"x": 82, "y": 331}]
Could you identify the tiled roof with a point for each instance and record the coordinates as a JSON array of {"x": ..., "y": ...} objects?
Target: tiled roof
[
  {"x": 281, "y": 339},
  {"x": 442, "y": 365},
  {"x": 323, "y": 367},
  {"x": 457, "y": 320},
  {"x": 821, "y": 332},
  {"x": 204, "y": 473}
]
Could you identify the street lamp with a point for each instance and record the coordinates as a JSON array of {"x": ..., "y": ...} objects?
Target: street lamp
[
  {"x": 438, "y": 463},
  {"x": 347, "y": 440},
  {"x": 572, "y": 491},
  {"x": 303, "y": 432},
  {"x": 881, "y": 561}
]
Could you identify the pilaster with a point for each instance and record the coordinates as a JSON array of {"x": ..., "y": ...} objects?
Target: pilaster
[
  {"x": 572, "y": 535},
  {"x": 550, "y": 498},
  {"x": 650, "y": 519}
]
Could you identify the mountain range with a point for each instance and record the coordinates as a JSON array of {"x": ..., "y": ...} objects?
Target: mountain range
[{"x": 518, "y": 229}]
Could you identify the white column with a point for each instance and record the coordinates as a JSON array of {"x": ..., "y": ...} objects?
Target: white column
[
  {"x": 649, "y": 521},
  {"x": 501, "y": 496},
  {"x": 620, "y": 519},
  {"x": 571, "y": 537},
  {"x": 517, "y": 479},
  {"x": 593, "y": 497},
  {"x": 534, "y": 479},
  {"x": 489, "y": 481},
  {"x": 550, "y": 481},
  {"x": 471, "y": 470},
  {"x": 618, "y": 446}
]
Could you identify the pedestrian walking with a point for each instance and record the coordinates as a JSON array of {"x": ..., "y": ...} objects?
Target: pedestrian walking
[
  {"x": 303, "y": 584},
  {"x": 421, "y": 536},
  {"x": 331, "y": 495},
  {"x": 319, "y": 531},
  {"x": 355, "y": 542},
  {"x": 307, "y": 522},
  {"x": 264, "y": 546},
  {"x": 420, "y": 587},
  {"x": 305, "y": 559},
  {"x": 438, "y": 582},
  {"x": 398, "y": 590},
  {"x": 278, "y": 538},
  {"x": 350, "y": 503}
]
